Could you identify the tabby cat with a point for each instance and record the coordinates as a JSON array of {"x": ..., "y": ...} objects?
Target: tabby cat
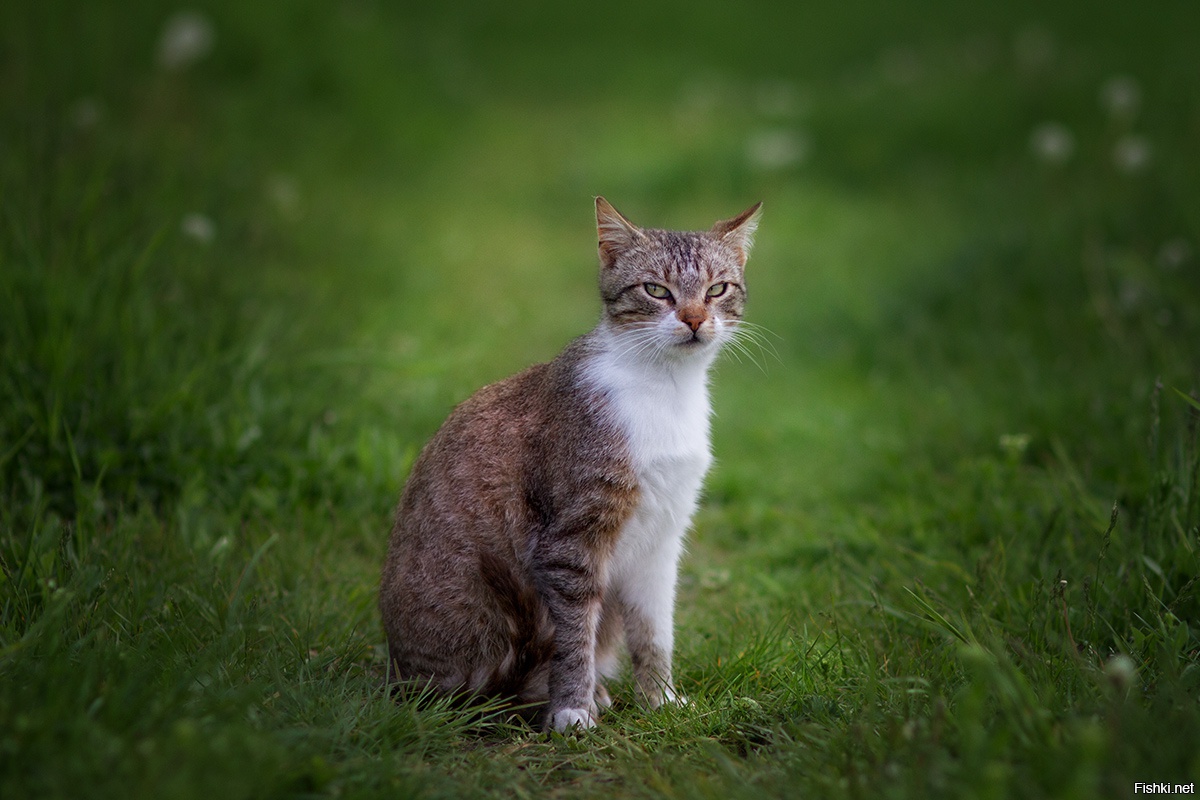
[{"x": 542, "y": 525}]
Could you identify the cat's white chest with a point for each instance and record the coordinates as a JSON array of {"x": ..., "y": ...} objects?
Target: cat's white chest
[
  {"x": 667, "y": 428},
  {"x": 663, "y": 411}
]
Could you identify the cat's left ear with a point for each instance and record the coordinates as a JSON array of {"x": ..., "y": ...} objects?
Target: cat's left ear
[{"x": 739, "y": 231}]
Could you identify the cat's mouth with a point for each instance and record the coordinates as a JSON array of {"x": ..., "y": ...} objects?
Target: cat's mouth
[{"x": 694, "y": 341}]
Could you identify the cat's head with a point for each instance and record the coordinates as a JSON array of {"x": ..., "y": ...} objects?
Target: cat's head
[{"x": 673, "y": 294}]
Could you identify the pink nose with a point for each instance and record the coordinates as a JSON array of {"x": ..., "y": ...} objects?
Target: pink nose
[{"x": 692, "y": 317}]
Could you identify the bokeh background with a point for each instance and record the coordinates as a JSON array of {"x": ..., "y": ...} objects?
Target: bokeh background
[{"x": 252, "y": 253}]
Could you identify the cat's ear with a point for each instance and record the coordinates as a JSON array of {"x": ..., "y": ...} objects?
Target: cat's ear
[
  {"x": 615, "y": 233},
  {"x": 739, "y": 231}
]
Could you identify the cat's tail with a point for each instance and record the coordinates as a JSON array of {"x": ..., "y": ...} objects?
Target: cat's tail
[{"x": 522, "y": 674}]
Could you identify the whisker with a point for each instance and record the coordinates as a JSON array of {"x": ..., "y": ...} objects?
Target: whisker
[
  {"x": 637, "y": 339},
  {"x": 744, "y": 334},
  {"x": 736, "y": 347},
  {"x": 758, "y": 328},
  {"x": 756, "y": 334}
]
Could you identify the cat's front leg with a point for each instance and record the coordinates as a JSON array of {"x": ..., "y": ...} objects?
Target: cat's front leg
[
  {"x": 573, "y": 593},
  {"x": 650, "y": 646},
  {"x": 647, "y": 608}
]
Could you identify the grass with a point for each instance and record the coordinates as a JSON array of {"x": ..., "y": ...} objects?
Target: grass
[{"x": 950, "y": 545}]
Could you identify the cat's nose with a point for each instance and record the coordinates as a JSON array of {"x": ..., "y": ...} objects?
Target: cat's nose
[{"x": 692, "y": 317}]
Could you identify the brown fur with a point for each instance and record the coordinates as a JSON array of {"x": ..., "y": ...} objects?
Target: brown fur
[
  {"x": 496, "y": 570},
  {"x": 540, "y": 489}
]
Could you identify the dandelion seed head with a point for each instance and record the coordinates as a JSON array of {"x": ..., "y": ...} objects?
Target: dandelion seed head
[
  {"x": 198, "y": 227},
  {"x": 187, "y": 37},
  {"x": 1052, "y": 143},
  {"x": 776, "y": 149},
  {"x": 1015, "y": 444},
  {"x": 1121, "y": 97},
  {"x": 1121, "y": 670},
  {"x": 1131, "y": 154}
]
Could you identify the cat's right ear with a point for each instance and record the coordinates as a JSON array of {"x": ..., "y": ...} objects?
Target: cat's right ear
[{"x": 615, "y": 233}]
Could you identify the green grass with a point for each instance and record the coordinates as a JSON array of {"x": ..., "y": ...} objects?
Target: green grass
[{"x": 949, "y": 548}]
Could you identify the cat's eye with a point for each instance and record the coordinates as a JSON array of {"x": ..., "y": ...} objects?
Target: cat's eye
[
  {"x": 717, "y": 289},
  {"x": 657, "y": 291}
]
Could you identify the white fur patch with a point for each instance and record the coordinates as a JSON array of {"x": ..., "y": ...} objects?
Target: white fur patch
[
  {"x": 565, "y": 719},
  {"x": 660, "y": 401}
]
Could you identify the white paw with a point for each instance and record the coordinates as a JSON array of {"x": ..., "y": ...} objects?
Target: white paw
[
  {"x": 666, "y": 697},
  {"x": 602, "y": 698},
  {"x": 566, "y": 719}
]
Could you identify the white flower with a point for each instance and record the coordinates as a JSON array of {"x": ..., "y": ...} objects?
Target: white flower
[
  {"x": 1121, "y": 96},
  {"x": 1131, "y": 154},
  {"x": 1014, "y": 445},
  {"x": 198, "y": 227},
  {"x": 1122, "y": 671},
  {"x": 776, "y": 149},
  {"x": 1052, "y": 142},
  {"x": 187, "y": 37}
]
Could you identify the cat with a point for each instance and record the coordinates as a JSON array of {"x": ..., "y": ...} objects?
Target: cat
[{"x": 543, "y": 523}]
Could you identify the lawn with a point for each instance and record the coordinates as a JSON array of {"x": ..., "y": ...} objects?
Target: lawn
[{"x": 251, "y": 254}]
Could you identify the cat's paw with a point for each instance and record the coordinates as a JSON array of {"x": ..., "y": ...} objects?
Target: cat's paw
[
  {"x": 667, "y": 696},
  {"x": 569, "y": 719},
  {"x": 601, "y": 698}
]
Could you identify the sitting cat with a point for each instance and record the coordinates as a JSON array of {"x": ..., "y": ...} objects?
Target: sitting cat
[{"x": 543, "y": 523}]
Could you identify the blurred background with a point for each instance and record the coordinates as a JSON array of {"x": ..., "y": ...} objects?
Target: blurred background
[
  {"x": 965, "y": 206},
  {"x": 251, "y": 254}
]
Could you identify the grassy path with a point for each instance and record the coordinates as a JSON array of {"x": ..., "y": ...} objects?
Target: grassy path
[{"x": 238, "y": 292}]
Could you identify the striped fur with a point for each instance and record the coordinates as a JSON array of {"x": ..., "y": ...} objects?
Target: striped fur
[{"x": 541, "y": 526}]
